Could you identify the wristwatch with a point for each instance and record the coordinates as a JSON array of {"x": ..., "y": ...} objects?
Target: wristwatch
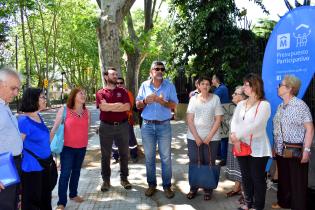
[{"x": 307, "y": 149}]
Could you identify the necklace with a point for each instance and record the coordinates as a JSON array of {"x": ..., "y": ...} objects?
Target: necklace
[{"x": 248, "y": 108}]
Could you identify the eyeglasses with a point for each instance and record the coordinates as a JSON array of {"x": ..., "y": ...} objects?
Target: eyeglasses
[
  {"x": 280, "y": 85},
  {"x": 119, "y": 83},
  {"x": 235, "y": 94},
  {"x": 159, "y": 69},
  {"x": 43, "y": 97}
]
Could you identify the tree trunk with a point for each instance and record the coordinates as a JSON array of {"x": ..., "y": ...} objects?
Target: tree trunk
[{"x": 112, "y": 15}]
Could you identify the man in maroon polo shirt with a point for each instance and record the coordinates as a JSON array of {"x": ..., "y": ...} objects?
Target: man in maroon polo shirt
[{"x": 113, "y": 103}]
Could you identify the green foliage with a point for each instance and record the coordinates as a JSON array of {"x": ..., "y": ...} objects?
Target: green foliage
[
  {"x": 208, "y": 40},
  {"x": 60, "y": 37}
]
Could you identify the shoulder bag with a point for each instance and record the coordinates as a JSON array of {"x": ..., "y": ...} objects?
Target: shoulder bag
[
  {"x": 245, "y": 149},
  {"x": 56, "y": 144},
  {"x": 204, "y": 176}
]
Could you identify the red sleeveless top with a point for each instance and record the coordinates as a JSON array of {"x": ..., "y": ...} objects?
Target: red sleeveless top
[{"x": 76, "y": 129}]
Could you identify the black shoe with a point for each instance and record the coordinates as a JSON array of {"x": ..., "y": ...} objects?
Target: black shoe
[{"x": 105, "y": 186}]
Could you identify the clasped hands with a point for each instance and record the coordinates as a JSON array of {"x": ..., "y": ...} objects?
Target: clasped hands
[
  {"x": 152, "y": 98},
  {"x": 199, "y": 141}
]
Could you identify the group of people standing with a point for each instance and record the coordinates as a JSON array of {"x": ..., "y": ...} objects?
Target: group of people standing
[
  {"x": 28, "y": 139},
  {"x": 293, "y": 125}
]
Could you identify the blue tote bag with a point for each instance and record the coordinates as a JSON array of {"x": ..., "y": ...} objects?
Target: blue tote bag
[
  {"x": 56, "y": 144},
  {"x": 204, "y": 176},
  {"x": 8, "y": 171}
]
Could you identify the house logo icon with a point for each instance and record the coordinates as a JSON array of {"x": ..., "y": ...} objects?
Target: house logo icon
[{"x": 283, "y": 41}]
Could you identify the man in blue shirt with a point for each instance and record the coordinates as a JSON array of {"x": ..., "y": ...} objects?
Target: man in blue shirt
[
  {"x": 10, "y": 137},
  {"x": 222, "y": 91},
  {"x": 157, "y": 97}
]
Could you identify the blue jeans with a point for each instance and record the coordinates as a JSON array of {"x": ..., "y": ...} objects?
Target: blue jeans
[
  {"x": 71, "y": 160},
  {"x": 161, "y": 135},
  {"x": 223, "y": 148}
]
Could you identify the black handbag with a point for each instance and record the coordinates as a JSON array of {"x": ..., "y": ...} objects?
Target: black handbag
[
  {"x": 204, "y": 176},
  {"x": 48, "y": 164}
]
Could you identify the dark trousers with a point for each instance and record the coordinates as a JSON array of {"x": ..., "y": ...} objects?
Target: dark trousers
[
  {"x": 121, "y": 135},
  {"x": 36, "y": 193},
  {"x": 223, "y": 148},
  {"x": 204, "y": 156},
  {"x": 71, "y": 160},
  {"x": 9, "y": 196},
  {"x": 292, "y": 183},
  {"x": 253, "y": 180},
  {"x": 133, "y": 145}
]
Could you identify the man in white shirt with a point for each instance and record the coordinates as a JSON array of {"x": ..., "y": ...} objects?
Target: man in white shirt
[{"x": 10, "y": 138}]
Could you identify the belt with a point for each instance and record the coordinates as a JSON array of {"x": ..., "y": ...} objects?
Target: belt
[
  {"x": 115, "y": 123},
  {"x": 155, "y": 121}
]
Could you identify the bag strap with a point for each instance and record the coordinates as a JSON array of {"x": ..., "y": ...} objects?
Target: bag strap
[
  {"x": 209, "y": 155},
  {"x": 251, "y": 136},
  {"x": 32, "y": 153},
  {"x": 64, "y": 114}
]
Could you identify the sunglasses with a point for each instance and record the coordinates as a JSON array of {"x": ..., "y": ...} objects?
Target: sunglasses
[
  {"x": 280, "y": 85},
  {"x": 235, "y": 94},
  {"x": 159, "y": 69}
]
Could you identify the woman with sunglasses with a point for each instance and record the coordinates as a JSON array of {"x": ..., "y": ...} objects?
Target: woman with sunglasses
[
  {"x": 76, "y": 128},
  {"x": 249, "y": 123},
  {"x": 232, "y": 170},
  {"x": 292, "y": 124},
  {"x": 36, "y": 190}
]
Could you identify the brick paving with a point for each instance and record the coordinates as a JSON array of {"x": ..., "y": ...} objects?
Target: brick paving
[{"x": 121, "y": 199}]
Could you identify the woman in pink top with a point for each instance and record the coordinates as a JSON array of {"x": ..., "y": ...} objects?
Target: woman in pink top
[{"x": 75, "y": 142}]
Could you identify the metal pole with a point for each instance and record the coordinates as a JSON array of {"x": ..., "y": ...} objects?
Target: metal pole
[
  {"x": 16, "y": 53},
  {"x": 62, "y": 87}
]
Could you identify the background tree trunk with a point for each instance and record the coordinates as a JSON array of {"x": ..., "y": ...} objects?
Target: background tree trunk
[{"x": 112, "y": 15}]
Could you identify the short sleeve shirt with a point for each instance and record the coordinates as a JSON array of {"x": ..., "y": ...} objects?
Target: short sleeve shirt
[
  {"x": 37, "y": 140},
  {"x": 204, "y": 114},
  {"x": 112, "y": 96},
  {"x": 291, "y": 118},
  {"x": 156, "y": 111}
]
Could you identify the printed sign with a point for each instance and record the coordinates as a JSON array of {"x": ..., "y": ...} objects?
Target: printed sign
[{"x": 290, "y": 50}]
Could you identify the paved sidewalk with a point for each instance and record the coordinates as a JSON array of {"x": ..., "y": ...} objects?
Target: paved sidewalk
[{"x": 121, "y": 199}]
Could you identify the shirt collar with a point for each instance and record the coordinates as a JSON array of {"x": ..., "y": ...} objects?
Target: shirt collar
[{"x": 2, "y": 101}]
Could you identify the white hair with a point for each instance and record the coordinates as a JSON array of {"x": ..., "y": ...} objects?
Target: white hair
[{"x": 7, "y": 71}]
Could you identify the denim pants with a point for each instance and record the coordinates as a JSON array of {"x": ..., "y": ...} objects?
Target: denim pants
[
  {"x": 71, "y": 160},
  {"x": 204, "y": 156},
  {"x": 161, "y": 135}
]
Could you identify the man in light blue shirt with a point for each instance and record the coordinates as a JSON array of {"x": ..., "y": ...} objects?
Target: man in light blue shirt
[
  {"x": 10, "y": 138},
  {"x": 157, "y": 97}
]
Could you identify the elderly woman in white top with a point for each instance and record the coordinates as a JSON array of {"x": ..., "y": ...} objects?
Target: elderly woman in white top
[
  {"x": 249, "y": 124},
  {"x": 293, "y": 125},
  {"x": 204, "y": 116}
]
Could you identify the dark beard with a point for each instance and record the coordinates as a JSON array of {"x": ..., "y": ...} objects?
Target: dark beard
[{"x": 111, "y": 81}]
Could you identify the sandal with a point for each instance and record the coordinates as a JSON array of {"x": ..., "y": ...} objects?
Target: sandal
[
  {"x": 207, "y": 196},
  {"x": 191, "y": 195},
  {"x": 241, "y": 200},
  {"x": 233, "y": 193},
  {"x": 275, "y": 206}
]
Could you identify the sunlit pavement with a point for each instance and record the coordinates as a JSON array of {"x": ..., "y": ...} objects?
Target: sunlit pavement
[{"x": 121, "y": 199}]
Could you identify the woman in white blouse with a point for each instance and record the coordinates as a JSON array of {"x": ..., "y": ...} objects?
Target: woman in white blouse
[
  {"x": 248, "y": 125},
  {"x": 204, "y": 116}
]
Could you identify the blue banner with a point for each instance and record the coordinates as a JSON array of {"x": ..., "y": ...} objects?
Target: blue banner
[{"x": 290, "y": 50}]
